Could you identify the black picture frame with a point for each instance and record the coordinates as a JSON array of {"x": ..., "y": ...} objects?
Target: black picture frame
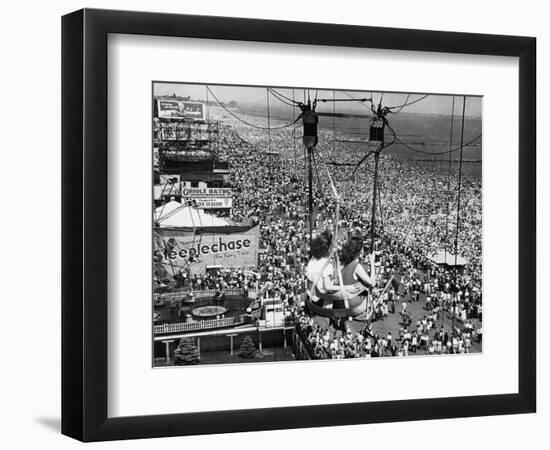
[{"x": 84, "y": 224}]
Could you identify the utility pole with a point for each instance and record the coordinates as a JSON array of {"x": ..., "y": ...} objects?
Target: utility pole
[
  {"x": 448, "y": 202},
  {"x": 458, "y": 203},
  {"x": 374, "y": 194},
  {"x": 376, "y": 136},
  {"x": 310, "y": 120},
  {"x": 310, "y": 190}
]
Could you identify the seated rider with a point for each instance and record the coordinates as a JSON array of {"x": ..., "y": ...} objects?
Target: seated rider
[
  {"x": 354, "y": 273},
  {"x": 321, "y": 287}
]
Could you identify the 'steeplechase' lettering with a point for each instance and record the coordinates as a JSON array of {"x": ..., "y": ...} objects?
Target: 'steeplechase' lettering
[{"x": 199, "y": 249}]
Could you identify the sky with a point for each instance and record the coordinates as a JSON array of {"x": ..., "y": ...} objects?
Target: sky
[{"x": 256, "y": 96}]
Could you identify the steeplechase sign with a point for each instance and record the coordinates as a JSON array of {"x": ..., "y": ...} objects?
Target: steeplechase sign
[{"x": 210, "y": 249}]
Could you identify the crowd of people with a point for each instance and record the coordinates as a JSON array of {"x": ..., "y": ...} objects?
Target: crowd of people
[
  {"x": 425, "y": 338},
  {"x": 417, "y": 217}
]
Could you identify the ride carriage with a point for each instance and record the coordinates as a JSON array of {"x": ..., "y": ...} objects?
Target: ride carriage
[{"x": 349, "y": 301}]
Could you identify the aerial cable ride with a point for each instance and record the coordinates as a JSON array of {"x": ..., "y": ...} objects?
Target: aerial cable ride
[
  {"x": 376, "y": 136},
  {"x": 240, "y": 119},
  {"x": 376, "y": 143},
  {"x": 354, "y": 304},
  {"x": 310, "y": 121}
]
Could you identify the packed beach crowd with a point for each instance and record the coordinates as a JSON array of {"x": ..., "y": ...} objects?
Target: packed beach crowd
[{"x": 417, "y": 217}]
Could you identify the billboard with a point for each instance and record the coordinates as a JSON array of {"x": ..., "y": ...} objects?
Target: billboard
[
  {"x": 177, "y": 109},
  {"x": 192, "y": 110},
  {"x": 168, "y": 109},
  {"x": 195, "y": 192},
  {"x": 239, "y": 249},
  {"x": 208, "y": 198}
]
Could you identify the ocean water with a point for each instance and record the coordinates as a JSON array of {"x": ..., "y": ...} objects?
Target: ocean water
[{"x": 429, "y": 134}]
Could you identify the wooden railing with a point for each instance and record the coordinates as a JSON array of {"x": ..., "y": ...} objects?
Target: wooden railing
[
  {"x": 169, "y": 328},
  {"x": 180, "y": 295}
]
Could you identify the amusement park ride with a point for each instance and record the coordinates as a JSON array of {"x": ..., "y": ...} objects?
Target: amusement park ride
[
  {"x": 310, "y": 118},
  {"x": 378, "y": 123}
]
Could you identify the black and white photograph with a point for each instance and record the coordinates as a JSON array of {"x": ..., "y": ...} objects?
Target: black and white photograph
[{"x": 293, "y": 224}]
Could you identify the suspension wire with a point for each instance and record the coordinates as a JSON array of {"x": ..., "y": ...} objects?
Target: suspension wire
[
  {"x": 201, "y": 226},
  {"x": 394, "y": 134},
  {"x": 438, "y": 153},
  {"x": 305, "y": 180},
  {"x": 294, "y": 142},
  {"x": 380, "y": 212},
  {"x": 240, "y": 119},
  {"x": 331, "y": 100},
  {"x": 361, "y": 102},
  {"x": 402, "y": 106},
  {"x": 284, "y": 102},
  {"x": 207, "y": 107},
  {"x": 278, "y": 96},
  {"x": 281, "y": 95},
  {"x": 171, "y": 263},
  {"x": 268, "y": 122},
  {"x": 194, "y": 228},
  {"x": 408, "y": 104},
  {"x": 449, "y": 180},
  {"x": 360, "y": 162},
  {"x": 334, "y": 191},
  {"x": 334, "y": 124},
  {"x": 164, "y": 204},
  {"x": 316, "y": 169},
  {"x": 458, "y": 194}
]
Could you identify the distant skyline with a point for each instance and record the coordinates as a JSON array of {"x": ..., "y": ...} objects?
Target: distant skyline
[{"x": 257, "y": 96}]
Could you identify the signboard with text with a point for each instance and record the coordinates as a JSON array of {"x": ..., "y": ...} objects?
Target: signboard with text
[
  {"x": 177, "y": 109},
  {"x": 212, "y": 202},
  {"x": 192, "y": 110},
  {"x": 208, "y": 198},
  {"x": 210, "y": 249},
  {"x": 191, "y": 192}
]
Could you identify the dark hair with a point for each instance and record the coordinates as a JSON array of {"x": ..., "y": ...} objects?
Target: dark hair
[
  {"x": 320, "y": 245},
  {"x": 351, "y": 250}
]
